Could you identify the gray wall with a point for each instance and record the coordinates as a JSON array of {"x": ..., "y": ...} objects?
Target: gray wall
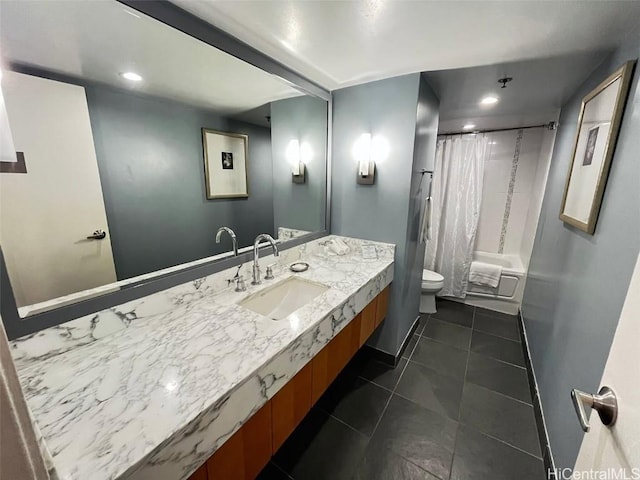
[
  {"x": 151, "y": 166},
  {"x": 577, "y": 283},
  {"x": 299, "y": 206},
  {"x": 385, "y": 211},
  {"x": 426, "y": 137}
]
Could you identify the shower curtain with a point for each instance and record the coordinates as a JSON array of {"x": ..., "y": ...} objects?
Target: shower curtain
[{"x": 456, "y": 195}]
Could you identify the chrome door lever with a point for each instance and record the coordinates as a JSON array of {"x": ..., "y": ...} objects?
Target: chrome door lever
[
  {"x": 605, "y": 403},
  {"x": 97, "y": 235}
]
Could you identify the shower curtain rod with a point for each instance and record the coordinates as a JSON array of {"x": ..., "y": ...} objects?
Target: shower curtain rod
[{"x": 549, "y": 126}]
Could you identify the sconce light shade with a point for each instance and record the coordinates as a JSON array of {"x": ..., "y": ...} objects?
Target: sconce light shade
[
  {"x": 366, "y": 165},
  {"x": 299, "y": 175},
  {"x": 294, "y": 157}
]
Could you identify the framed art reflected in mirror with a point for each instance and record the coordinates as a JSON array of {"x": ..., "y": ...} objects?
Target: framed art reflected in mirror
[
  {"x": 598, "y": 125},
  {"x": 225, "y": 164}
]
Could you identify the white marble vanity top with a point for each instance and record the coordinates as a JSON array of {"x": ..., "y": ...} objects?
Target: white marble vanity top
[{"x": 150, "y": 389}]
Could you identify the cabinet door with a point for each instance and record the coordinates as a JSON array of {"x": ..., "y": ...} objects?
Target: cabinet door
[
  {"x": 290, "y": 405},
  {"x": 200, "y": 474},
  {"x": 328, "y": 363},
  {"x": 246, "y": 453},
  {"x": 368, "y": 323},
  {"x": 382, "y": 302}
]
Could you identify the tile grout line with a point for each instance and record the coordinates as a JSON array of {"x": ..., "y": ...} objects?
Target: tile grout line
[
  {"x": 281, "y": 469},
  {"x": 502, "y": 441},
  {"x": 499, "y": 360},
  {"x": 498, "y": 336},
  {"x": 384, "y": 410},
  {"x": 464, "y": 379},
  {"x": 392, "y": 392},
  {"x": 501, "y": 394}
]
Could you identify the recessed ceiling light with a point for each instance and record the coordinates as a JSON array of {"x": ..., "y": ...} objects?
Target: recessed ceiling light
[
  {"x": 468, "y": 126},
  {"x": 489, "y": 100},
  {"x": 134, "y": 77}
]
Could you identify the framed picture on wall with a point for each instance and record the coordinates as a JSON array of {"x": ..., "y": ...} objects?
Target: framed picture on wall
[
  {"x": 225, "y": 164},
  {"x": 598, "y": 125}
]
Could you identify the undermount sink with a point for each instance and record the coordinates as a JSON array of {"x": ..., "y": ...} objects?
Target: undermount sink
[{"x": 283, "y": 298}]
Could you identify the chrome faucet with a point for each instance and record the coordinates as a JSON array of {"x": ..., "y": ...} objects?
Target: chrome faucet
[
  {"x": 256, "y": 255},
  {"x": 233, "y": 238}
]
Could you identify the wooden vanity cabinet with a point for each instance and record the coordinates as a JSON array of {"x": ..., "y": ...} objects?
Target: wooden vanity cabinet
[
  {"x": 290, "y": 405},
  {"x": 330, "y": 361},
  {"x": 382, "y": 303},
  {"x": 247, "y": 452},
  {"x": 368, "y": 321}
]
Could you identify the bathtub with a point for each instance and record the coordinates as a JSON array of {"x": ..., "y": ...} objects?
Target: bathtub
[{"x": 507, "y": 296}]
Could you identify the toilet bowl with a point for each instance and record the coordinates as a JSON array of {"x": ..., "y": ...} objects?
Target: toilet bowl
[{"x": 432, "y": 283}]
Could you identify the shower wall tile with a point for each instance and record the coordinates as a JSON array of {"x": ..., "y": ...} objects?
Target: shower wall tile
[
  {"x": 497, "y": 175},
  {"x": 490, "y": 223},
  {"x": 517, "y": 221},
  {"x": 502, "y": 145}
]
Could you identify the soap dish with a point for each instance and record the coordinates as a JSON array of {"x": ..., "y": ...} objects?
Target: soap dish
[{"x": 299, "y": 267}]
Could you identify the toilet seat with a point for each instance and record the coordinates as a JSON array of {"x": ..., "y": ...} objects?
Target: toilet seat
[{"x": 432, "y": 280}]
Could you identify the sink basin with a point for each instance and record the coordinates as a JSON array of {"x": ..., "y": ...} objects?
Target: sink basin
[{"x": 283, "y": 298}]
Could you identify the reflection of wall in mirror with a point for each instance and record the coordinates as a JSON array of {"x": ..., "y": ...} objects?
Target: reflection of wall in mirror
[
  {"x": 150, "y": 154},
  {"x": 597, "y": 117},
  {"x": 151, "y": 183},
  {"x": 299, "y": 206}
]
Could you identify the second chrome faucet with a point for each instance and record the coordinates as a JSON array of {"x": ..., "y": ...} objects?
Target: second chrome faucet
[{"x": 256, "y": 257}]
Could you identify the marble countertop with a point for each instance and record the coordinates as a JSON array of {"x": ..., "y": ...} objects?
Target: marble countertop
[{"x": 185, "y": 368}]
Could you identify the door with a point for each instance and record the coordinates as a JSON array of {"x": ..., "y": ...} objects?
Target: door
[
  {"x": 617, "y": 449},
  {"x": 47, "y": 213}
]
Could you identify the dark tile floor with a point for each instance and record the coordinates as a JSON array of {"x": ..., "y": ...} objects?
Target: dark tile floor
[{"x": 456, "y": 407}]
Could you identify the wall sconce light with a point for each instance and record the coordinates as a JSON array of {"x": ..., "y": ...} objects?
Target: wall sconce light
[
  {"x": 367, "y": 151},
  {"x": 366, "y": 166},
  {"x": 296, "y": 157}
]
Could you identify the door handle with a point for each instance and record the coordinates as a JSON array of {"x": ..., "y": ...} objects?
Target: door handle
[
  {"x": 97, "y": 235},
  {"x": 605, "y": 403}
]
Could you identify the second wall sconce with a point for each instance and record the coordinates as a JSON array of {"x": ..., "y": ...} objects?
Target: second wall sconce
[
  {"x": 366, "y": 166},
  {"x": 298, "y": 156},
  {"x": 367, "y": 151}
]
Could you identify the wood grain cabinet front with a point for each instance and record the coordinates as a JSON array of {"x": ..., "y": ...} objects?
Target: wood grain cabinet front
[
  {"x": 246, "y": 452},
  {"x": 290, "y": 405},
  {"x": 368, "y": 322},
  {"x": 330, "y": 361},
  {"x": 382, "y": 304}
]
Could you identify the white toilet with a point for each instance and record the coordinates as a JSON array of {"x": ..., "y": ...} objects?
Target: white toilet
[{"x": 432, "y": 283}]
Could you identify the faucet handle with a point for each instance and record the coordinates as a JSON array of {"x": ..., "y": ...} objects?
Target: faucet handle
[
  {"x": 269, "y": 275},
  {"x": 240, "y": 285}
]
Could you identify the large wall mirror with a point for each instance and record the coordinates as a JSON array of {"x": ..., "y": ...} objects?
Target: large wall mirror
[{"x": 116, "y": 130}]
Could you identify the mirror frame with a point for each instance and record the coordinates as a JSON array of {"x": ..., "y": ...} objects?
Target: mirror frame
[{"x": 179, "y": 19}]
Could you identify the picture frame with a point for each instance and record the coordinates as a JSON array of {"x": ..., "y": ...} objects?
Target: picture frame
[
  {"x": 599, "y": 122},
  {"x": 225, "y": 164}
]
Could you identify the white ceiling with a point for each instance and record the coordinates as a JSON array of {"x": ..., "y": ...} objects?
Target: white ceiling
[
  {"x": 342, "y": 43},
  {"x": 96, "y": 41},
  {"x": 538, "y": 89}
]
